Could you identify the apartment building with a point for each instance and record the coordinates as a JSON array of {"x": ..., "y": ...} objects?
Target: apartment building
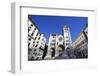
[
  {"x": 80, "y": 45},
  {"x": 36, "y": 41}
]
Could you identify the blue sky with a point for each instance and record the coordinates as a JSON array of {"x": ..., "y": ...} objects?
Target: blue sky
[{"x": 54, "y": 24}]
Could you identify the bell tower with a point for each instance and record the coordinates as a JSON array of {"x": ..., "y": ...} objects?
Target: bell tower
[{"x": 67, "y": 36}]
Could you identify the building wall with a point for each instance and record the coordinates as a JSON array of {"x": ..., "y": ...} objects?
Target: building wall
[
  {"x": 36, "y": 41},
  {"x": 78, "y": 40},
  {"x": 80, "y": 45}
]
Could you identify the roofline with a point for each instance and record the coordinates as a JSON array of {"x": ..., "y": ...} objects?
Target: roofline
[{"x": 29, "y": 18}]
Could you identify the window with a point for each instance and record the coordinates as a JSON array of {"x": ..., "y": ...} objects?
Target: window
[
  {"x": 32, "y": 33},
  {"x": 37, "y": 41},
  {"x": 29, "y": 49},
  {"x": 57, "y": 43},
  {"x": 36, "y": 45},
  {"x": 63, "y": 43},
  {"x": 28, "y": 44},
  {"x": 32, "y": 57},
  {"x": 52, "y": 44},
  {"x": 29, "y": 39},
  {"x": 34, "y": 28},
  {"x": 67, "y": 40},
  {"x": 31, "y": 25},
  {"x": 33, "y": 42},
  {"x": 35, "y": 38},
  {"x": 38, "y": 38},
  {"x": 34, "y": 49},
  {"x": 66, "y": 29},
  {"x": 36, "y": 34},
  {"x": 53, "y": 34},
  {"x": 66, "y": 36}
]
